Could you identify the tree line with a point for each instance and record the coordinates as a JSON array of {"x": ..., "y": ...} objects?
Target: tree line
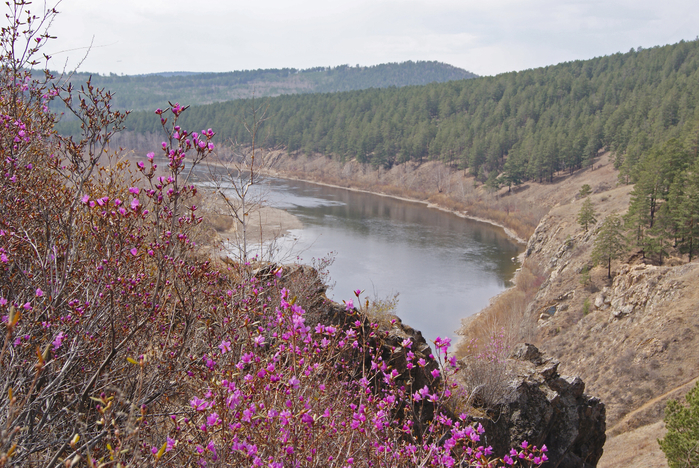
[
  {"x": 147, "y": 92},
  {"x": 504, "y": 129}
]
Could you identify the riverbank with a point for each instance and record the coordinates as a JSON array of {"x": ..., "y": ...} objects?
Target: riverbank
[{"x": 509, "y": 232}]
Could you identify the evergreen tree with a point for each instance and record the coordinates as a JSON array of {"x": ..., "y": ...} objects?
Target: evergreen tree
[
  {"x": 610, "y": 243},
  {"x": 585, "y": 190},
  {"x": 681, "y": 443},
  {"x": 586, "y": 215}
]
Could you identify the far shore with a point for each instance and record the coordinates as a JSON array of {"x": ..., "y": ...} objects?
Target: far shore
[{"x": 510, "y": 233}]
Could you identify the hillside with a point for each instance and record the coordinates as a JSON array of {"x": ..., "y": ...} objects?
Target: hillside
[
  {"x": 632, "y": 339},
  {"x": 148, "y": 92},
  {"x": 504, "y": 129}
]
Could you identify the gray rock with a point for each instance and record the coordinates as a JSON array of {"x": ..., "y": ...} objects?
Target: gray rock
[{"x": 547, "y": 408}]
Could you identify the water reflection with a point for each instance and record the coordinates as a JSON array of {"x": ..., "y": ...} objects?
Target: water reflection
[{"x": 444, "y": 267}]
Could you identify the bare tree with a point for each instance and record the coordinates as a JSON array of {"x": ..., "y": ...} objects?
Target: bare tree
[{"x": 238, "y": 182}]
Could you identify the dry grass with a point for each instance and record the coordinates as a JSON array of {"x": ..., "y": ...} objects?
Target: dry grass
[{"x": 506, "y": 313}]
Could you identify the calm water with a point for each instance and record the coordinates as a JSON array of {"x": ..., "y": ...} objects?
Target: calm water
[{"x": 443, "y": 267}]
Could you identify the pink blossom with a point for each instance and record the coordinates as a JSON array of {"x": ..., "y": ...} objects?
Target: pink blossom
[
  {"x": 134, "y": 251},
  {"x": 349, "y": 304},
  {"x": 135, "y": 204},
  {"x": 58, "y": 341},
  {"x": 39, "y": 292},
  {"x": 213, "y": 419},
  {"x": 199, "y": 404},
  {"x": 150, "y": 156},
  {"x": 85, "y": 199},
  {"x": 225, "y": 346},
  {"x": 170, "y": 444},
  {"x": 294, "y": 381}
]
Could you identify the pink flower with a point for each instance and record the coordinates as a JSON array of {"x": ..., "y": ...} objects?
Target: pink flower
[
  {"x": 170, "y": 444},
  {"x": 134, "y": 190},
  {"x": 134, "y": 251},
  {"x": 135, "y": 204},
  {"x": 58, "y": 341},
  {"x": 349, "y": 304},
  {"x": 199, "y": 404},
  {"x": 140, "y": 165},
  {"x": 85, "y": 199},
  {"x": 39, "y": 292},
  {"x": 150, "y": 156},
  {"x": 225, "y": 346},
  {"x": 213, "y": 419}
]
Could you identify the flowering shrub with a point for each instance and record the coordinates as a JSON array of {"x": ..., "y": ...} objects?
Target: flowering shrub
[{"x": 124, "y": 345}]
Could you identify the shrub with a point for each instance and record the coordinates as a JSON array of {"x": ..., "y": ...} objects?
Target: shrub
[
  {"x": 586, "y": 306},
  {"x": 126, "y": 346},
  {"x": 485, "y": 374}
]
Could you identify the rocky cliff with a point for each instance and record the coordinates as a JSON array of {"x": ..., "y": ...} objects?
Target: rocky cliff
[{"x": 544, "y": 407}]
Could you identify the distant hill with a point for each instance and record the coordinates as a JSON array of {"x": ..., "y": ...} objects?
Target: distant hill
[
  {"x": 148, "y": 92},
  {"x": 508, "y": 128}
]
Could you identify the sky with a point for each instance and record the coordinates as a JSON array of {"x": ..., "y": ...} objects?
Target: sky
[{"x": 485, "y": 37}]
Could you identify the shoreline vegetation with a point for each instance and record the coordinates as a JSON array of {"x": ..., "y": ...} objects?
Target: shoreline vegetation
[{"x": 517, "y": 212}]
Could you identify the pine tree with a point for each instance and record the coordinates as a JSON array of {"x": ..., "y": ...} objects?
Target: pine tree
[
  {"x": 610, "y": 243},
  {"x": 681, "y": 443},
  {"x": 586, "y": 216}
]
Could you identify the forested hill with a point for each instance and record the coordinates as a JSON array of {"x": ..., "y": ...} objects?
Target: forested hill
[
  {"x": 519, "y": 125},
  {"x": 148, "y": 92}
]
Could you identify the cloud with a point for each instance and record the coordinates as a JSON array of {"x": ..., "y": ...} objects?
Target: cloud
[{"x": 487, "y": 38}]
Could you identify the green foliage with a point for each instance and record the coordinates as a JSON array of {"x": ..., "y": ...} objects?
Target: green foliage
[
  {"x": 585, "y": 190},
  {"x": 527, "y": 125},
  {"x": 585, "y": 281},
  {"x": 610, "y": 242},
  {"x": 586, "y": 215},
  {"x": 146, "y": 92},
  {"x": 586, "y": 303},
  {"x": 663, "y": 202},
  {"x": 681, "y": 443}
]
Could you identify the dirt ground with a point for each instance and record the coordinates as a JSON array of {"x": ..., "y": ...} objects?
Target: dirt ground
[{"x": 638, "y": 448}]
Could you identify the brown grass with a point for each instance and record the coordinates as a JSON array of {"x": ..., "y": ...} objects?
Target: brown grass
[{"x": 507, "y": 312}]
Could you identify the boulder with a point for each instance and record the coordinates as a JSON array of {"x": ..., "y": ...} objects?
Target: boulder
[{"x": 543, "y": 407}]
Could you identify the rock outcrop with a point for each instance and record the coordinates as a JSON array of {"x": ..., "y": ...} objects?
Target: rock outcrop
[{"x": 544, "y": 407}]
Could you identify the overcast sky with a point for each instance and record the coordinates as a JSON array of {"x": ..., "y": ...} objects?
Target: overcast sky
[{"x": 485, "y": 37}]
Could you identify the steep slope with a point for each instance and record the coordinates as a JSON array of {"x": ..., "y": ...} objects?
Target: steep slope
[{"x": 633, "y": 339}]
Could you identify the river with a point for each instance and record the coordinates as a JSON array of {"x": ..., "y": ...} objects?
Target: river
[{"x": 443, "y": 267}]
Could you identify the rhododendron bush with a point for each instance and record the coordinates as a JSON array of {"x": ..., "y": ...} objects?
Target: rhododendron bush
[{"x": 125, "y": 345}]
